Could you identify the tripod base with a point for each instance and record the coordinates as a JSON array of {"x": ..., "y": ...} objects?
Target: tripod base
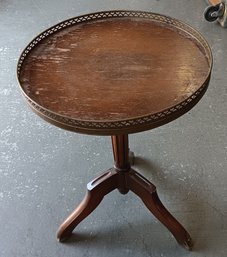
[{"x": 123, "y": 178}]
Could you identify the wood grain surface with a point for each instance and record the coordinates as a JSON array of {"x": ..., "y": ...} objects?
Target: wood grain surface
[{"x": 114, "y": 69}]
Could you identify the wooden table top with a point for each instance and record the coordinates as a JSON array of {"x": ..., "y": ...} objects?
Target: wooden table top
[{"x": 115, "y": 72}]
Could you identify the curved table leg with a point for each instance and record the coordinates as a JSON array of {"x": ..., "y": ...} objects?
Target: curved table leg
[
  {"x": 96, "y": 190},
  {"x": 147, "y": 192}
]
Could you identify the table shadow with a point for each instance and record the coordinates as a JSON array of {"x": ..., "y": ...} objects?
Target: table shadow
[
  {"x": 163, "y": 241},
  {"x": 122, "y": 236},
  {"x": 199, "y": 229}
]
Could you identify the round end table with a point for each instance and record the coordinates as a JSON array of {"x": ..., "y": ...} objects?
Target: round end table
[{"x": 116, "y": 73}]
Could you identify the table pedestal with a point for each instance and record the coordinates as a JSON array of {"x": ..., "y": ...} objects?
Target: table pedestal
[{"x": 123, "y": 178}]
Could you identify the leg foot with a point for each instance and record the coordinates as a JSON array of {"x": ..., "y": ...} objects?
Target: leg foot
[
  {"x": 147, "y": 192},
  {"x": 96, "y": 190}
]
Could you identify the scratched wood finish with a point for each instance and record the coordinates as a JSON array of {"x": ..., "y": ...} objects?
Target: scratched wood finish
[
  {"x": 115, "y": 69},
  {"x": 110, "y": 76}
]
